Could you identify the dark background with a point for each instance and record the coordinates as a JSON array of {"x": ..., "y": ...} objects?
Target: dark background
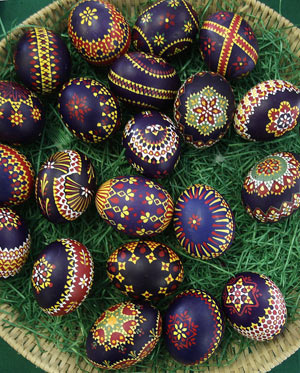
[{"x": 12, "y": 12}]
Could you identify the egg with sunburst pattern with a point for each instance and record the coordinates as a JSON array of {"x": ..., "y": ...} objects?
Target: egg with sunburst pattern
[{"x": 65, "y": 186}]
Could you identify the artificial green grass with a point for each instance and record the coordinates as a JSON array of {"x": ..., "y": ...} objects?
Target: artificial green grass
[{"x": 271, "y": 249}]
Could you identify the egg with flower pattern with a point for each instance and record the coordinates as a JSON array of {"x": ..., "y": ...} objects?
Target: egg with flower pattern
[
  {"x": 254, "y": 306},
  {"x": 65, "y": 186},
  {"x": 268, "y": 110},
  {"x": 62, "y": 276},
  {"x": 21, "y": 114},
  {"x": 204, "y": 109},
  {"x": 193, "y": 327},
  {"x": 88, "y": 109},
  {"x": 143, "y": 80},
  {"x": 123, "y": 335},
  {"x": 16, "y": 176},
  {"x": 145, "y": 270},
  {"x": 165, "y": 28},
  {"x": 135, "y": 205},
  {"x": 152, "y": 144},
  {"x": 98, "y": 31},
  {"x": 271, "y": 190},
  {"x": 42, "y": 60},
  {"x": 15, "y": 242}
]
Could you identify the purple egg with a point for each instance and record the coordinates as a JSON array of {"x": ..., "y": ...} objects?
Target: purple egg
[
  {"x": 42, "y": 60},
  {"x": 144, "y": 80},
  {"x": 228, "y": 45},
  {"x": 152, "y": 144},
  {"x": 271, "y": 190},
  {"x": 165, "y": 28},
  {"x": 88, "y": 109},
  {"x": 204, "y": 109},
  {"x": 193, "y": 327},
  {"x": 254, "y": 306}
]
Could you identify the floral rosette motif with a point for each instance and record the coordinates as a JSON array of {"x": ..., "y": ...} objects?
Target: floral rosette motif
[
  {"x": 271, "y": 188},
  {"x": 267, "y": 111}
]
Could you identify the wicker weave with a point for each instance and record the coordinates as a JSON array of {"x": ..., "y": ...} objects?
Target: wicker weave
[{"x": 263, "y": 356}]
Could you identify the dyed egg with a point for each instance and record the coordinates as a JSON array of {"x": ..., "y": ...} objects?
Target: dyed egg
[
  {"x": 16, "y": 176},
  {"x": 15, "y": 242},
  {"x": 98, "y": 31},
  {"x": 144, "y": 80},
  {"x": 123, "y": 335},
  {"x": 21, "y": 114},
  {"x": 193, "y": 327},
  {"x": 62, "y": 276},
  {"x": 203, "y": 222},
  {"x": 134, "y": 205},
  {"x": 42, "y": 60},
  {"x": 165, "y": 28},
  {"x": 88, "y": 109},
  {"x": 271, "y": 190},
  {"x": 152, "y": 145},
  {"x": 204, "y": 109},
  {"x": 65, "y": 186},
  {"x": 268, "y": 111},
  {"x": 145, "y": 270},
  {"x": 228, "y": 45},
  {"x": 254, "y": 306}
]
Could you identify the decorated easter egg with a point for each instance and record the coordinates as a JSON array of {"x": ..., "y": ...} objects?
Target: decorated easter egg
[
  {"x": 193, "y": 327},
  {"x": 254, "y": 306},
  {"x": 65, "y": 186},
  {"x": 268, "y": 111},
  {"x": 98, "y": 31},
  {"x": 152, "y": 144},
  {"x": 134, "y": 205},
  {"x": 228, "y": 45},
  {"x": 42, "y": 60},
  {"x": 165, "y": 28},
  {"x": 204, "y": 109},
  {"x": 145, "y": 270},
  {"x": 88, "y": 109},
  {"x": 123, "y": 335},
  {"x": 144, "y": 80},
  {"x": 271, "y": 190},
  {"x": 21, "y": 114},
  {"x": 16, "y": 176},
  {"x": 15, "y": 242},
  {"x": 62, "y": 276},
  {"x": 203, "y": 222}
]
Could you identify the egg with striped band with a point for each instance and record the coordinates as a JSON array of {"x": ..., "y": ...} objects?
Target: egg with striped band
[
  {"x": 203, "y": 222},
  {"x": 144, "y": 80},
  {"x": 65, "y": 186}
]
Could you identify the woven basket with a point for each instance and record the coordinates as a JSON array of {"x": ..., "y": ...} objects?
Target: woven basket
[{"x": 263, "y": 356}]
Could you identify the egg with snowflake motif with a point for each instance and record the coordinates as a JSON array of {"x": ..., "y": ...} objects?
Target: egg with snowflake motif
[
  {"x": 152, "y": 144},
  {"x": 145, "y": 270},
  {"x": 267, "y": 111},
  {"x": 123, "y": 335},
  {"x": 65, "y": 186},
  {"x": 22, "y": 115},
  {"x": 193, "y": 327},
  {"x": 98, "y": 31},
  {"x": 135, "y": 205},
  {"x": 15, "y": 241},
  {"x": 144, "y": 80},
  {"x": 16, "y": 176},
  {"x": 42, "y": 60},
  {"x": 62, "y": 276},
  {"x": 165, "y": 28},
  {"x": 254, "y": 305},
  {"x": 88, "y": 109},
  {"x": 271, "y": 190},
  {"x": 204, "y": 109}
]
